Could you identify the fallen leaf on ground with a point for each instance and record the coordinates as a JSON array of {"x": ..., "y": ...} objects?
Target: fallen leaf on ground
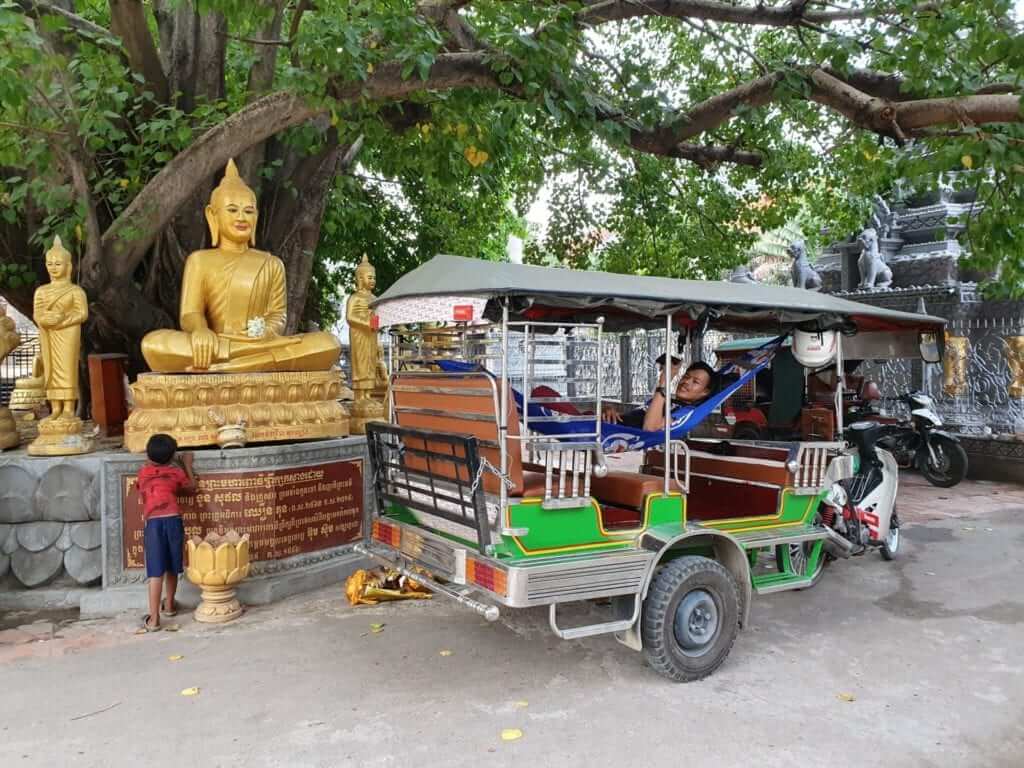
[
  {"x": 521, "y": 704},
  {"x": 190, "y": 692},
  {"x": 511, "y": 734},
  {"x": 377, "y": 627},
  {"x": 846, "y": 697},
  {"x": 445, "y": 652},
  {"x": 175, "y": 657}
]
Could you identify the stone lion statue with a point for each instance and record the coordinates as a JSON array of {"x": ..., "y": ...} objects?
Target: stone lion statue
[
  {"x": 804, "y": 275},
  {"x": 874, "y": 273}
]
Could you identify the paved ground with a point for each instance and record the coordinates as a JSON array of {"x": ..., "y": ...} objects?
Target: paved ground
[{"x": 930, "y": 649}]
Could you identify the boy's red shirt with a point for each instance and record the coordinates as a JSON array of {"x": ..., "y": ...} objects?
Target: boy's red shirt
[{"x": 158, "y": 485}]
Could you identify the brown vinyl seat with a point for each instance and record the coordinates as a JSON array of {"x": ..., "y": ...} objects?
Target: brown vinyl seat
[{"x": 625, "y": 489}]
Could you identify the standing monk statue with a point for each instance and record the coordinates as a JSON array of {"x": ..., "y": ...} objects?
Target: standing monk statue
[
  {"x": 233, "y": 302},
  {"x": 365, "y": 349},
  {"x": 59, "y": 309}
]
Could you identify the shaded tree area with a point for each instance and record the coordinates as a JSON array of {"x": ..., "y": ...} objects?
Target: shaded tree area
[{"x": 402, "y": 128}]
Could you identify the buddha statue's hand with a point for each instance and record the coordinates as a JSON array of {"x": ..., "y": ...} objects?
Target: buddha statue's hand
[
  {"x": 204, "y": 344},
  {"x": 50, "y": 318}
]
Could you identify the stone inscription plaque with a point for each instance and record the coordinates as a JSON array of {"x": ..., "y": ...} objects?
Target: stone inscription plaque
[{"x": 285, "y": 511}]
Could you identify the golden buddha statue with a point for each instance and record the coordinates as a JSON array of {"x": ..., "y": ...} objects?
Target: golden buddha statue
[
  {"x": 59, "y": 310},
  {"x": 365, "y": 355},
  {"x": 230, "y": 367},
  {"x": 233, "y": 302},
  {"x": 9, "y": 339}
]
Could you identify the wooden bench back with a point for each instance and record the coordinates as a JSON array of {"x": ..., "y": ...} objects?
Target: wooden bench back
[{"x": 461, "y": 404}]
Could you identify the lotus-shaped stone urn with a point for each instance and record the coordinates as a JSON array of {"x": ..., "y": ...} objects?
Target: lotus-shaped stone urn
[{"x": 216, "y": 565}]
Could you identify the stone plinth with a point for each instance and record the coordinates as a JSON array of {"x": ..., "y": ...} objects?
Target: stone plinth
[
  {"x": 274, "y": 407},
  {"x": 49, "y": 522},
  {"x": 303, "y": 506}
]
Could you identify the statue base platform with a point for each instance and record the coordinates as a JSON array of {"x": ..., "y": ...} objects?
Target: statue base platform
[
  {"x": 272, "y": 407},
  {"x": 365, "y": 411},
  {"x": 9, "y": 437},
  {"x": 61, "y": 437},
  {"x": 27, "y": 396}
]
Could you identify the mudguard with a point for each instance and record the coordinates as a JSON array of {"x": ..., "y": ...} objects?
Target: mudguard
[{"x": 664, "y": 538}]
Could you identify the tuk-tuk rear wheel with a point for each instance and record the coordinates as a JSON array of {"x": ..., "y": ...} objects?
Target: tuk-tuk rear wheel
[{"x": 690, "y": 618}]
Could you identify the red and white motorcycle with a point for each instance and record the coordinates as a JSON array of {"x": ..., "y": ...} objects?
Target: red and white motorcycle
[{"x": 862, "y": 509}]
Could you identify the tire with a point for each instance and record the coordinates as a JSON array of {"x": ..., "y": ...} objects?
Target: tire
[
  {"x": 746, "y": 430},
  {"x": 891, "y": 544},
  {"x": 798, "y": 554},
  {"x": 690, "y": 618},
  {"x": 953, "y": 467}
]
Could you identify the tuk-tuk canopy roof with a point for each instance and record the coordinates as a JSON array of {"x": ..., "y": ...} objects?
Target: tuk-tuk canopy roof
[{"x": 546, "y": 294}]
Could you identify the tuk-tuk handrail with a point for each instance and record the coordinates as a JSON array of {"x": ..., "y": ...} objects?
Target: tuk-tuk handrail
[{"x": 680, "y": 446}]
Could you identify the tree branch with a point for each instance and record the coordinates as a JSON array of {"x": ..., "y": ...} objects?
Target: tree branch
[
  {"x": 790, "y": 15},
  {"x": 128, "y": 22},
  {"x": 126, "y": 240},
  {"x": 83, "y": 27}
]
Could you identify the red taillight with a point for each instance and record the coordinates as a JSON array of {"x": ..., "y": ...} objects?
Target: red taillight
[
  {"x": 387, "y": 533},
  {"x": 487, "y": 576}
]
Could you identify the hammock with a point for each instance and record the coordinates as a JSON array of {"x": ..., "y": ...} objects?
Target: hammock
[{"x": 616, "y": 438}]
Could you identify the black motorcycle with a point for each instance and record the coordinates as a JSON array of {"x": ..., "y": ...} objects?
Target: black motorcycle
[{"x": 920, "y": 443}]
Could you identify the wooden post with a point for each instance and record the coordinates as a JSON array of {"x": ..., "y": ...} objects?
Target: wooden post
[{"x": 106, "y": 381}]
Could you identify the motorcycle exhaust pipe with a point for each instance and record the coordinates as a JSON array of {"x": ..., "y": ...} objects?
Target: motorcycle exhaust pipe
[{"x": 836, "y": 545}]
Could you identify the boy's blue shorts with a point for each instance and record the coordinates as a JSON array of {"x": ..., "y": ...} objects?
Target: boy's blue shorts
[{"x": 164, "y": 541}]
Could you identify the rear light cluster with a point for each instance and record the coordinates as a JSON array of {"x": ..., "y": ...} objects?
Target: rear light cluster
[
  {"x": 487, "y": 576},
  {"x": 387, "y": 533}
]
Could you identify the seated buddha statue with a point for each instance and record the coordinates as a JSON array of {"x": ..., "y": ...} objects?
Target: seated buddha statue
[{"x": 233, "y": 302}]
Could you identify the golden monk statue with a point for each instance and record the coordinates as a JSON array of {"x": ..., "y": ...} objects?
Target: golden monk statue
[
  {"x": 233, "y": 302},
  {"x": 367, "y": 373},
  {"x": 59, "y": 309}
]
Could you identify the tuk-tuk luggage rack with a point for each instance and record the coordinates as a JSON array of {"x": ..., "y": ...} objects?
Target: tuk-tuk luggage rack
[{"x": 432, "y": 472}]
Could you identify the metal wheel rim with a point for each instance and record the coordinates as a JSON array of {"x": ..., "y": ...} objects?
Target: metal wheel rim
[
  {"x": 892, "y": 539},
  {"x": 798, "y": 558},
  {"x": 696, "y": 624}
]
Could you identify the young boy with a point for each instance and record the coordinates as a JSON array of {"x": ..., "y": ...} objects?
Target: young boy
[{"x": 158, "y": 483}]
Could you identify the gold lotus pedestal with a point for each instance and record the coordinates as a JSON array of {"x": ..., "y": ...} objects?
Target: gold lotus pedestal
[
  {"x": 216, "y": 565},
  {"x": 272, "y": 406},
  {"x": 61, "y": 436}
]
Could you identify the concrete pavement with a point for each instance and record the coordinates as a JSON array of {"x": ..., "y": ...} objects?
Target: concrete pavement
[{"x": 929, "y": 648}]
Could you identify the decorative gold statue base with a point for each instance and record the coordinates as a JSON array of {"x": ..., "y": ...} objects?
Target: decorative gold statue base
[
  {"x": 29, "y": 392},
  {"x": 193, "y": 408},
  {"x": 61, "y": 437},
  {"x": 364, "y": 411},
  {"x": 9, "y": 437}
]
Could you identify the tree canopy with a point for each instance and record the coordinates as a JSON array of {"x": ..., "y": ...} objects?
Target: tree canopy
[{"x": 675, "y": 130}]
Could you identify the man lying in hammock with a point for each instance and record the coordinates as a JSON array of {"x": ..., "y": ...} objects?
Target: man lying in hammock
[{"x": 699, "y": 382}]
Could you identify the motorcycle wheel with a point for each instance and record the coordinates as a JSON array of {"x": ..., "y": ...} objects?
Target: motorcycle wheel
[
  {"x": 950, "y": 467},
  {"x": 891, "y": 543}
]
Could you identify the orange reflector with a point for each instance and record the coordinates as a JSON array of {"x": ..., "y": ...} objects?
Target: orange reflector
[
  {"x": 387, "y": 534},
  {"x": 487, "y": 576}
]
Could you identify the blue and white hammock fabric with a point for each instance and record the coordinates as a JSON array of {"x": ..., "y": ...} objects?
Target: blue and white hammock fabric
[{"x": 616, "y": 438}]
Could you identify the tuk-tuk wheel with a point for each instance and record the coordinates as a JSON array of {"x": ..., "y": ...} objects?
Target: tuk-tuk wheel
[{"x": 690, "y": 618}]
